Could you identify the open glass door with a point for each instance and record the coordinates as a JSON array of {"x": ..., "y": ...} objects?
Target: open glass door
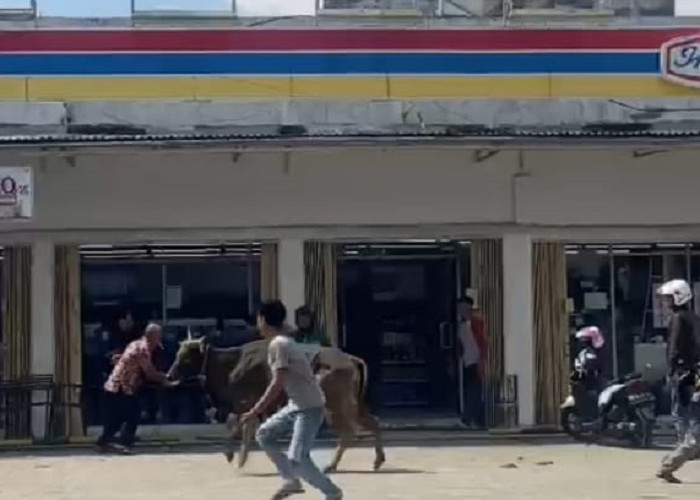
[
  {"x": 462, "y": 281},
  {"x": 397, "y": 310}
]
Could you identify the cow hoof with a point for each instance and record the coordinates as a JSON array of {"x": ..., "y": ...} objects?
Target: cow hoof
[
  {"x": 330, "y": 469},
  {"x": 379, "y": 462},
  {"x": 229, "y": 456}
]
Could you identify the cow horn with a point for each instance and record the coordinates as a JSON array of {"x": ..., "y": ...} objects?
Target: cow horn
[{"x": 189, "y": 333}]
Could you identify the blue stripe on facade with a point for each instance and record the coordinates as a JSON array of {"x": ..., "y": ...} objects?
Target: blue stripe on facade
[{"x": 328, "y": 64}]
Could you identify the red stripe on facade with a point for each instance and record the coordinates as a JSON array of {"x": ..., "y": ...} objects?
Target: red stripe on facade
[{"x": 334, "y": 40}]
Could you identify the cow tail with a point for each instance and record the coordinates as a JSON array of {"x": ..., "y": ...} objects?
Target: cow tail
[{"x": 364, "y": 378}]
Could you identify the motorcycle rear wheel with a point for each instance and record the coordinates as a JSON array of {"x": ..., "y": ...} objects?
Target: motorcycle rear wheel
[
  {"x": 571, "y": 423},
  {"x": 643, "y": 435}
]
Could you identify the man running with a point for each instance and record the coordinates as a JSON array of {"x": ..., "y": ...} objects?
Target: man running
[
  {"x": 682, "y": 362},
  {"x": 303, "y": 414}
]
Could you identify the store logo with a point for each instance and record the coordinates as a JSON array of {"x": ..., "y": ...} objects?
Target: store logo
[{"x": 680, "y": 61}]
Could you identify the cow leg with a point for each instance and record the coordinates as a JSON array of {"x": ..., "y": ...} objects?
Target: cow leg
[
  {"x": 229, "y": 446},
  {"x": 345, "y": 433},
  {"x": 247, "y": 435},
  {"x": 371, "y": 423},
  {"x": 344, "y": 440}
]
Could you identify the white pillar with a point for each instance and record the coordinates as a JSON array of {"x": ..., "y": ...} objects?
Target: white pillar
[
  {"x": 290, "y": 254},
  {"x": 518, "y": 330},
  {"x": 43, "y": 342}
]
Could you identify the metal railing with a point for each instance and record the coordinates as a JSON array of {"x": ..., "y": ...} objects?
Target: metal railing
[
  {"x": 22, "y": 399},
  {"x": 225, "y": 11},
  {"x": 18, "y": 400},
  {"x": 503, "y": 8},
  {"x": 185, "y": 404},
  {"x": 501, "y": 402}
]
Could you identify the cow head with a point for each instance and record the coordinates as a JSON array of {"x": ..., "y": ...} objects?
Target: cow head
[{"x": 189, "y": 360}]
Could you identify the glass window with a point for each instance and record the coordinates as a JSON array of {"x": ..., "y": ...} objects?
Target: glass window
[
  {"x": 641, "y": 320},
  {"x": 636, "y": 278},
  {"x": 588, "y": 273},
  {"x": 695, "y": 275},
  {"x": 107, "y": 290},
  {"x": 206, "y": 297}
]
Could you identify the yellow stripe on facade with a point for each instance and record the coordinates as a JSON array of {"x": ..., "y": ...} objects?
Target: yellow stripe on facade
[
  {"x": 248, "y": 88},
  {"x": 474, "y": 87},
  {"x": 69, "y": 89},
  {"x": 345, "y": 87},
  {"x": 618, "y": 86},
  {"x": 13, "y": 89}
]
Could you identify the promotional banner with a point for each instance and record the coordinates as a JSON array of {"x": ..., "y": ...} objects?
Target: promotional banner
[{"x": 16, "y": 193}]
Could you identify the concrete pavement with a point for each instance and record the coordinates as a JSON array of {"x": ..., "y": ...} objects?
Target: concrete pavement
[{"x": 561, "y": 471}]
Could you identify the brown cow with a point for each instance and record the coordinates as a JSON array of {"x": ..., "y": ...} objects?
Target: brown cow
[{"x": 235, "y": 378}]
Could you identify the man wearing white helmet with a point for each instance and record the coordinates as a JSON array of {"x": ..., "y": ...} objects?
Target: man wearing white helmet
[{"x": 682, "y": 362}]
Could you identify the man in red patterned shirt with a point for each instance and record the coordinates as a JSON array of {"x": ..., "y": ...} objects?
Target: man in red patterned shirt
[{"x": 132, "y": 368}]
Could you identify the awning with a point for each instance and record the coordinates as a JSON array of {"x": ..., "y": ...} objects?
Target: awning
[{"x": 476, "y": 137}]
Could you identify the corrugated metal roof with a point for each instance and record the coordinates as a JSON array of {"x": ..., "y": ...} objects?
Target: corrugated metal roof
[{"x": 300, "y": 136}]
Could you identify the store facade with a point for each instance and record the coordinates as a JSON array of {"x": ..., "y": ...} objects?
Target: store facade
[
  {"x": 517, "y": 209},
  {"x": 524, "y": 147}
]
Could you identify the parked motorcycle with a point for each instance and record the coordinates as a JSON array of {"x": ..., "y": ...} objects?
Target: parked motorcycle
[{"x": 625, "y": 409}]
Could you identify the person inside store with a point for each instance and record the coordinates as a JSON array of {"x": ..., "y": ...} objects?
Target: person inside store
[
  {"x": 132, "y": 368},
  {"x": 122, "y": 333},
  {"x": 471, "y": 344},
  {"x": 683, "y": 354},
  {"x": 306, "y": 331}
]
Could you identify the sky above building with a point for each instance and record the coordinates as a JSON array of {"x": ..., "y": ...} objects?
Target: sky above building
[
  {"x": 121, "y": 8},
  {"x": 253, "y": 8}
]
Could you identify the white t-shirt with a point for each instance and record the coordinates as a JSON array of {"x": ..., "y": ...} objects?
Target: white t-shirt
[
  {"x": 300, "y": 383},
  {"x": 471, "y": 354}
]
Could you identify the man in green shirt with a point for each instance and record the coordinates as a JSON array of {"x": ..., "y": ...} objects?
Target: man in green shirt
[{"x": 306, "y": 332}]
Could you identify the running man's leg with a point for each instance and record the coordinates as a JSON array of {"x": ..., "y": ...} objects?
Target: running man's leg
[
  {"x": 679, "y": 410},
  {"x": 688, "y": 450},
  {"x": 306, "y": 426},
  {"x": 268, "y": 436}
]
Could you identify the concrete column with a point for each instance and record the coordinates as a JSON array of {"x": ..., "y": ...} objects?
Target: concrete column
[
  {"x": 518, "y": 330},
  {"x": 43, "y": 342},
  {"x": 290, "y": 254}
]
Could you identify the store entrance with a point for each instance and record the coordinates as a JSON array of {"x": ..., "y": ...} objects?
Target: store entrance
[{"x": 397, "y": 311}]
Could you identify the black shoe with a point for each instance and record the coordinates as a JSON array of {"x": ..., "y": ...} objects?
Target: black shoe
[
  {"x": 123, "y": 450},
  {"x": 668, "y": 477},
  {"x": 288, "y": 489}
]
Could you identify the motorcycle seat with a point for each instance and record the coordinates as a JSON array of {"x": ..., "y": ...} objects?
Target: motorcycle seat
[{"x": 627, "y": 378}]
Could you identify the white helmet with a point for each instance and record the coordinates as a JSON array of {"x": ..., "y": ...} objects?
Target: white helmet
[
  {"x": 593, "y": 334},
  {"x": 678, "y": 289}
]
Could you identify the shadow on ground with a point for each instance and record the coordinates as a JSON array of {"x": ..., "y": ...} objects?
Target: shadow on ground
[
  {"x": 341, "y": 472},
  {"x": 213, "y": 447}
]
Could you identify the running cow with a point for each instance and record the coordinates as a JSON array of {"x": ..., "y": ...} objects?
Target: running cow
[{"x": 235, "y": 378}]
